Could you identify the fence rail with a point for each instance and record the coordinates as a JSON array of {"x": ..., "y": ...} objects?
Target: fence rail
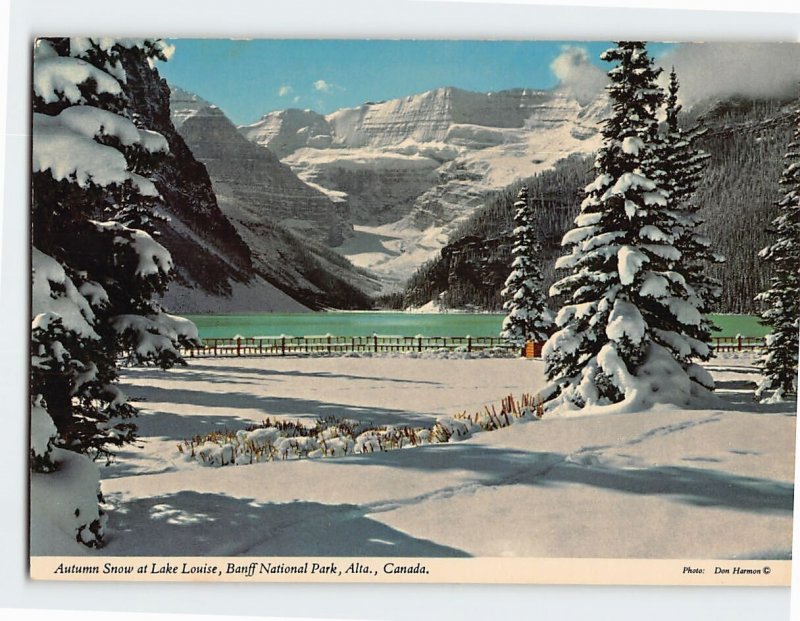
[
  {"x": 329, "y": 344},
  {"x": 738, "y": 343},
  {"x": 292, "y": 345}
]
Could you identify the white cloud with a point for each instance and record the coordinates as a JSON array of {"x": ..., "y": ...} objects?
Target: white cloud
[
  {"x": 322, "y": 85},
  {"x": 296, "y": 98},
  {"x": 577, "y": 74},
  {"x": 327, "y": 87},
  {"x": 707, "y": 70},
  {"x": 284, "y": 90}
]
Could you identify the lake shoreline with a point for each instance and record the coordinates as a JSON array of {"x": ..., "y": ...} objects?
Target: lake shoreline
[{"x": 368, "y": 323}]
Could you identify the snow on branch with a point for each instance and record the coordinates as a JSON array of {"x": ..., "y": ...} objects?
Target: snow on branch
[
  {"x": 60, "y": 77},
  {"x": 54, "y": 296},
  {"x": 92, "y": 122},
  {"x": 68, "y": 154},
  {"x": 152, "y": 258}
]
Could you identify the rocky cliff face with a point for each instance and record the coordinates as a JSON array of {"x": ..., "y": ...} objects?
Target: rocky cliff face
[
  {"x": 208, "y": 253},
  {"x": 286, "y": 131},
  {"x": 412, "y": 169},
  {"x": 441, "y": 115},
  {"x": 255, "y": 178},
  {"x": 378, "y": 186},
  {"x": 216, "y": 268},
  {"x": 286, "y": 225}
]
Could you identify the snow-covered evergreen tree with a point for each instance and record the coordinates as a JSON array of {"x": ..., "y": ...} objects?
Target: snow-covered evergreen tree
[
  {"x": 528, "y": 318},
  {"x": 621, "y": 334},
  {"x": 682, "y": 164},
  {"x": 96, "y": 265},
  {"x": 782, "y": 300}
]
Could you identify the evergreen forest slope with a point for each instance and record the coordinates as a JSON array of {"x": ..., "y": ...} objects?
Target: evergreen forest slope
[{"x": 746, "y": 140}]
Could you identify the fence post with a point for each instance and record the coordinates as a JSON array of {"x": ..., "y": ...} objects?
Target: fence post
[
  {"x": 739, "y": 342},
  {"x": 419, "y": 343},
  {"x": 375, "y": 340},
  {"x": 238, "y": 346},
  {"x": 283, "y": 345},
  {"x": 469, "y": 343}
]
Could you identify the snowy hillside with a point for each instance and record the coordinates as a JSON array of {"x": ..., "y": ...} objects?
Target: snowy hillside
[
  {"x": 286, "y": 224},
  {"x": 254, "y": 178},
  {"x": 412, "y": 169},
  {"x": 664, "y": 483},
  {"x": 741, "y": 131},
  {"x": 214, "y": 266}
]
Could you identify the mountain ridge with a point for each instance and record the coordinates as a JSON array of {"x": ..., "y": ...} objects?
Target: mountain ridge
[
  {"x": 746, "y": 140},
  {"x": 412, "y": 168},
  {"x": 287, "y": 225}
]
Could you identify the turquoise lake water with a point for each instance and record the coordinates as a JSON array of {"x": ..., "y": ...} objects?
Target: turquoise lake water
[{"x": 403, "y": 324}]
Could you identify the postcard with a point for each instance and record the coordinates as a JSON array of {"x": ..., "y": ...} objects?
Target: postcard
[{"x": 426, "y": 311}]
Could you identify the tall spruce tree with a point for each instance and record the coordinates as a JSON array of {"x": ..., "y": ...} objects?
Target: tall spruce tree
[
  {"x": 96, "y": 266},
  {"x": 682, "y": 164},
  {"x": 627, "y": 308},
  {"x": 528, "y": 318},
  {"x": 782, "y": 300}
]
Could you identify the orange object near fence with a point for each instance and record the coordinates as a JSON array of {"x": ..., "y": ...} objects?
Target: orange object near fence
[{"x": 533, "y": 349}]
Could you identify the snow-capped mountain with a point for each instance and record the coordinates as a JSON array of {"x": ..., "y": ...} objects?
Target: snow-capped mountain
[
  {"x": 217, "y": 266},
  {"x": 746, "y": 141},
  {"x": 254, "y": 178},
  {"x": 411, "y": 169},
  {"x": 213, "y": 265},
  {"x": 286, "y": 225}
]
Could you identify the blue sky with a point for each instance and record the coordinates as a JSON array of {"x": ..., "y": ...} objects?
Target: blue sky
[{"x": 247, "y": 78}]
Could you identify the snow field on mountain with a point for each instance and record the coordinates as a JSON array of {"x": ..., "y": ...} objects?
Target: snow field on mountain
[
  {"x": 663, "y": 483},
  {"x": 444, "y": 150},
  {"x": 524, "y": 154}
]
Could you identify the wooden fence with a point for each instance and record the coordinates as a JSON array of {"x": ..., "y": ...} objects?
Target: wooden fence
[
  {"x": 738, "y": 343},
  {"x": 329, "y": 344}
]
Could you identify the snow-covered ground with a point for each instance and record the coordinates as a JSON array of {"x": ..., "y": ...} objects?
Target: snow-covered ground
[{"x": 666, "y": 483}]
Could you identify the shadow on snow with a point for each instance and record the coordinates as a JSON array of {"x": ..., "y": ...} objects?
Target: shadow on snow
[
  {"x": 203, "y": 524},
  {"x": 498, "y": 467},
  {"x": 260, "y": 407},
  {"x": 740, "y": 397},
  {"x": 223, "y": 374}
]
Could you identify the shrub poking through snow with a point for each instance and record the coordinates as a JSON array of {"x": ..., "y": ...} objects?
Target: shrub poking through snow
[
  {"x": 627, "y": 309},
  {"x": 782, "y": 299},
  {"x": 277, "y": 440},
  {"x": 97, "y": 267},
  {"x": 528, "y": 318}
]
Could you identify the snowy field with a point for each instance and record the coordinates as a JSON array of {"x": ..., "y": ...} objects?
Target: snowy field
[{"x": 667, "y": 483}]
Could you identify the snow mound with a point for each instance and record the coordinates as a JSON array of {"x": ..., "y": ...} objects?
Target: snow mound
[
  {"x": 659, "y": 380},
  {"x": 65, "y": 505}
]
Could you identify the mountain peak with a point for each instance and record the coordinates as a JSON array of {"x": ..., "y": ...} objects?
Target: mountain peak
[{"x": 184, "y": 104}]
